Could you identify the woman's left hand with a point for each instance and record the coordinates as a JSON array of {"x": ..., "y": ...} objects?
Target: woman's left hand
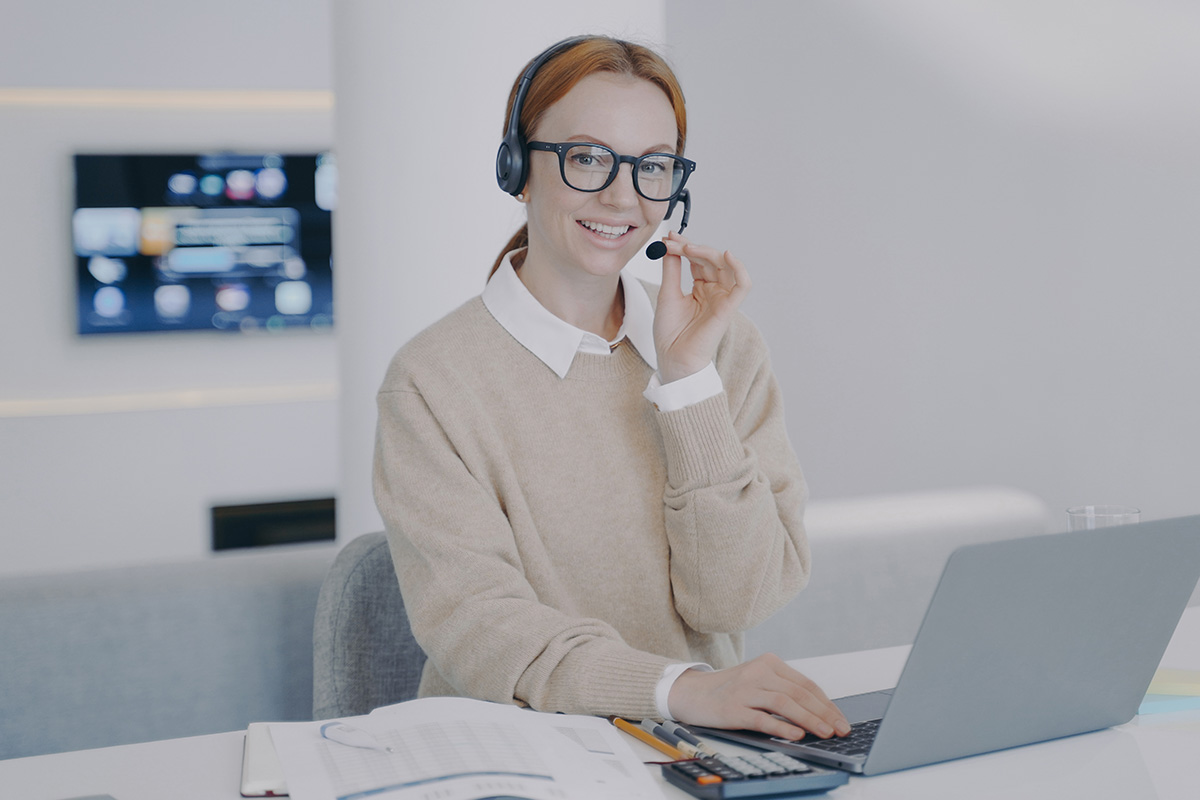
[
  {"x": 688, "y": 327},
  {"x": 763, "y": 694}
]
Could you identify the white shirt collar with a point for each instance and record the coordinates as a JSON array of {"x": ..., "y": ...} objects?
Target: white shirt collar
[{"x": 554, "y": 341}]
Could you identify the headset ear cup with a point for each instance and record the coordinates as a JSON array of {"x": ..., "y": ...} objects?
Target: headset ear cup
[
  {"x": 503, "y": 165},
  {"x": 510, "y": 167}
]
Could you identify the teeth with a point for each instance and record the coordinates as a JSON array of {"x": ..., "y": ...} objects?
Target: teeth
[{"x": 606, "y": 230}]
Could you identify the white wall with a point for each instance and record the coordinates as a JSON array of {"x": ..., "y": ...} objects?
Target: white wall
[
  {"x": 113, "y": 449},
  {"x": 956, "y": 214},
  {"x": 973, "y": 232}
]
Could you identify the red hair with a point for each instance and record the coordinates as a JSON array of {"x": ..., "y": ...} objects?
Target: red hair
[{"x": 565, "y": 69}]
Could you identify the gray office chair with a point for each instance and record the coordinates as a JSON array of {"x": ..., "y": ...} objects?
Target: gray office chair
[{"x": 364, "y": 654}]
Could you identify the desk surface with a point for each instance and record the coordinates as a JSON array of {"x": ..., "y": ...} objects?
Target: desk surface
[{"x": 1149, "y": 757}]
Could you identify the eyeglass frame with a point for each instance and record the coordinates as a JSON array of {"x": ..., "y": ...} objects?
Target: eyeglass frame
[{"x": 561, "y": 149}]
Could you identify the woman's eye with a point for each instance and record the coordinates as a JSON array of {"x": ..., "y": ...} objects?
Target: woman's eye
[
  {"x": 653, "y": 167},
  {"x": 589, "y": 158}
]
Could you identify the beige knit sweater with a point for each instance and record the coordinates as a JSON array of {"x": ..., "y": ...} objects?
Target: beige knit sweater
[{"x": 560, "y": 541}]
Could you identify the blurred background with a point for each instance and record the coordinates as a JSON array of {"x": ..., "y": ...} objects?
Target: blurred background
[{"x": 972, "y": 229}]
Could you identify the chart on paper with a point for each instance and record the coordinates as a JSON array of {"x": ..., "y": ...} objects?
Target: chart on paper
[{"x": 448, "y": 758}]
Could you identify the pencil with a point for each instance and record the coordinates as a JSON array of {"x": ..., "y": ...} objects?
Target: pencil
[
  {"x": 662, "y": 734},
  {"x": 653, "y": 741},
  {"x": 699, "y": 745}
]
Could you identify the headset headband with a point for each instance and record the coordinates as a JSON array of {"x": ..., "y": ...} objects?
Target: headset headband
[{"x": 512, "y": 159}]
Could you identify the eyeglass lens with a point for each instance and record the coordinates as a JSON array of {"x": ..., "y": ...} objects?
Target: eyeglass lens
[{"x": 587, "y": 167}]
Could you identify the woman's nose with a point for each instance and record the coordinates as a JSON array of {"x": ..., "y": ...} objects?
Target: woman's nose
[{"x": 620, "y": 193}]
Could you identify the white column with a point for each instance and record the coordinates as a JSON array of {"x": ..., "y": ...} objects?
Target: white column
[{"x": 420, "y": 90}]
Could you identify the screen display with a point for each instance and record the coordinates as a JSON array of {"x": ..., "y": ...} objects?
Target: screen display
[{"x": 223, "y": 241}]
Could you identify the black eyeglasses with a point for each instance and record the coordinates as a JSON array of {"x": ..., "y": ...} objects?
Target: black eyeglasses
[{"x": 588, "y": 167}]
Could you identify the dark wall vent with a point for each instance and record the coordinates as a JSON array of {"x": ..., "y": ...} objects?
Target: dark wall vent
[{"x": 264, "y": 524}]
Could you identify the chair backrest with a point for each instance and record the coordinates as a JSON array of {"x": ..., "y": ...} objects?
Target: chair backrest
[{"x": 364, "y": 654}]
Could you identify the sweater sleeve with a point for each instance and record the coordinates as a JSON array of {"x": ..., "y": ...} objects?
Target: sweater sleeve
[
  {"x": 735, "y": 495},
  {"x": 471, "y": 607}
]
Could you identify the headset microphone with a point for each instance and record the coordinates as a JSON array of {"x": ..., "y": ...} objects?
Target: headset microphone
[{"x": 657, "y": 250}]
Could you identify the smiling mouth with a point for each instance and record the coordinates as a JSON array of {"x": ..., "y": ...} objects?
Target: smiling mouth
[{"x": 606, "y": 231}]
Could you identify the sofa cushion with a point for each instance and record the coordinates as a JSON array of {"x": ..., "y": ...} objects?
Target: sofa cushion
[
  {"x": 116, "y": 656},
  {"x": 877, "y": 560}
]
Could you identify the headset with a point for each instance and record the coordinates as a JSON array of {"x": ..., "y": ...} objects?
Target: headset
[{"x": 512, "y": 157}]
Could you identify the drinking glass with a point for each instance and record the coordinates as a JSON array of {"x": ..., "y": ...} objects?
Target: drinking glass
[{"x": 1089, "y": 518}]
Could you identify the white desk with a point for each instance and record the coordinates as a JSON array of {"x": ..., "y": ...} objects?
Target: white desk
[{"x": 1150, "y": 757}]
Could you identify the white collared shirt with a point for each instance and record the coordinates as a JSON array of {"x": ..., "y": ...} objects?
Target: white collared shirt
[{"x": 555, "y": 342}]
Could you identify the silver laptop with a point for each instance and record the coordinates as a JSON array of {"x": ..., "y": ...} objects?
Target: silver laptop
[{"x": 1025, "y": 640}]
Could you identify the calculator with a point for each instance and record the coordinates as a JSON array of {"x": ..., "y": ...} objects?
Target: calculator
[{"x": 755, "y": 775}]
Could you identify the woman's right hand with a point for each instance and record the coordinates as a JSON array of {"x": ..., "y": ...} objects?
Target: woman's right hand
[{"x": 763, "y": 694}]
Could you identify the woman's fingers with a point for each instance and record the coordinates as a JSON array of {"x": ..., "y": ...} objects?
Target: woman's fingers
[
  {"x": 671, "y": 270},
  {"x": 802, "y": 701},
  {"x": 710, "y": 266},
  {"x": 706, "y": 262},
  {"x": 737, "y": 272},
  {"x": 764, "y": 694},
  {"x": 799, "y": 679}
]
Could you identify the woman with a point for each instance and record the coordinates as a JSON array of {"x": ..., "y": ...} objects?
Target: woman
[{"x": 587, "y": 483}]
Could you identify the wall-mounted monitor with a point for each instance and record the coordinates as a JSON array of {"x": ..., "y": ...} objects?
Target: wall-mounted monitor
[{"x": 216, "y": 242}]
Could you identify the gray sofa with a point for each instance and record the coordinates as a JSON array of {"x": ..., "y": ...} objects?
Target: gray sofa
[
  {"x": 134, "y": 654},
  {"x": 116, "y": 656}
]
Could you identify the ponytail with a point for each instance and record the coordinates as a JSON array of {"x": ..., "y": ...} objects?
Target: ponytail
[{"x": 520, "y": 240}]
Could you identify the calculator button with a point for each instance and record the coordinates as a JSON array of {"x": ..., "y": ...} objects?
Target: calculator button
[
  {"x": 746, "y": 766},
  {"x": 787, "y": 762}
]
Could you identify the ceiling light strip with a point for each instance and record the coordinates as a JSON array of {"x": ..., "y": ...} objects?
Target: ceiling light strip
[
  {"x": 168, "y": 401},
  {"x": 179, "y": 99}
]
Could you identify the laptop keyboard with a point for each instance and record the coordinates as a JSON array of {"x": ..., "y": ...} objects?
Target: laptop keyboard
[{"x": 862, "y": 735}]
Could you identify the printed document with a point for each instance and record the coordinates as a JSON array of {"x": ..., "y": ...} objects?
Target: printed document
[{"x": 459, "y": 749}]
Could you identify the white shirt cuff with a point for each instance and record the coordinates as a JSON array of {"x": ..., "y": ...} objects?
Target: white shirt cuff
[
  {"x": 663, "y": 691},
  {"x": 686, "y": 391}
]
